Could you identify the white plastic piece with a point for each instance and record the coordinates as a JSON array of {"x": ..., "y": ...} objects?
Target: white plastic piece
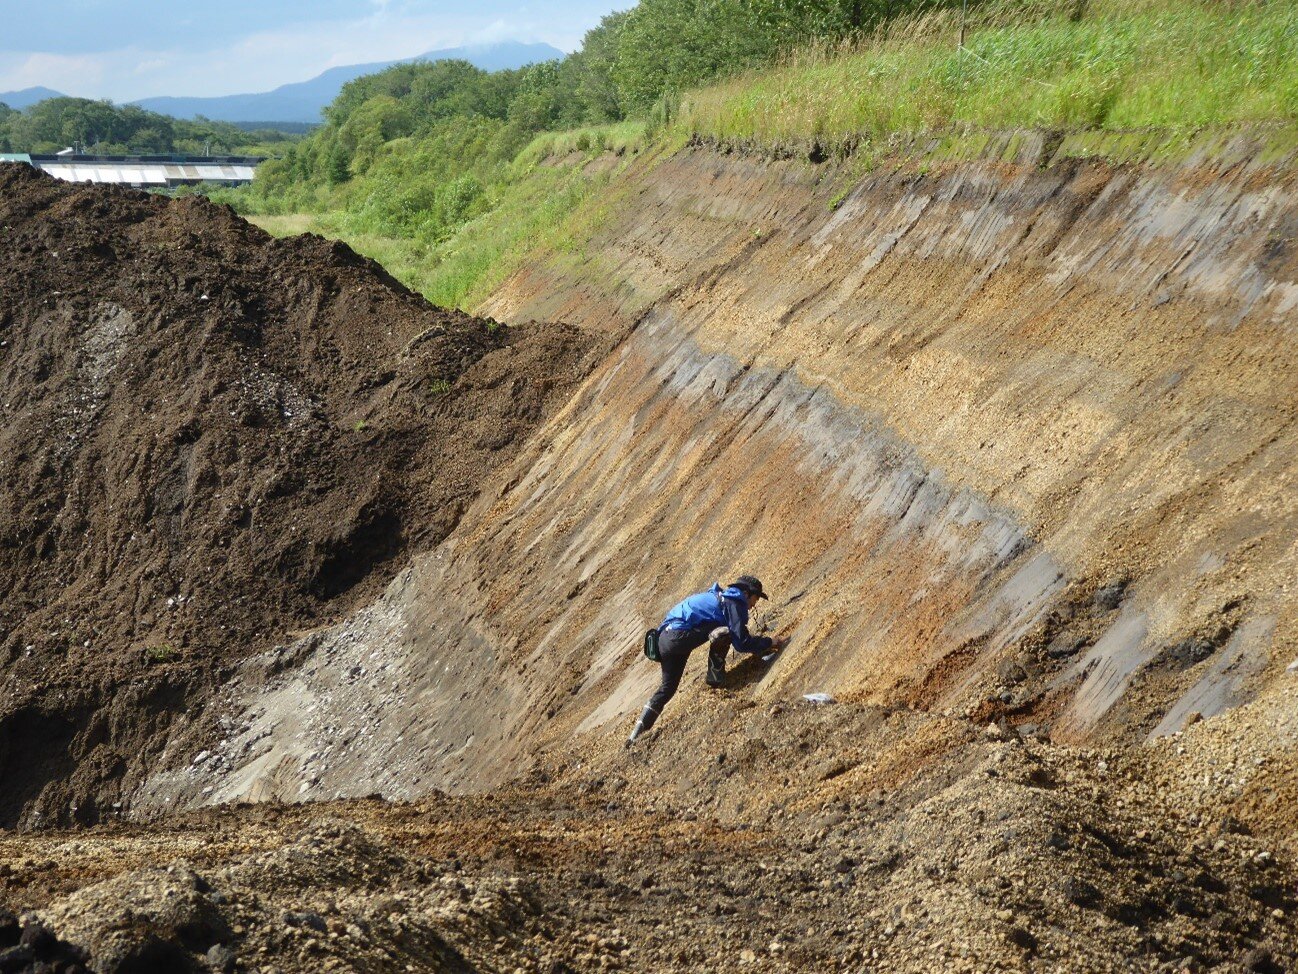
[{"x": 819, "y": 698}]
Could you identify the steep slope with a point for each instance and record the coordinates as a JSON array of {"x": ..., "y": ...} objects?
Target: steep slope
[
  {"x": 1008, "y": 436},
  {"x": 975, "y": 410}
]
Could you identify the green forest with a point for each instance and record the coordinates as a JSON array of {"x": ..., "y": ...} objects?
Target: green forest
[
  {"x": 422, "y": 144},
  {"x": 107, "y": 129}
]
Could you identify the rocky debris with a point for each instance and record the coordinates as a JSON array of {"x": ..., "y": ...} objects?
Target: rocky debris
[
  {"x": 1109, "y": 597},
  {"x": 30, "y": 946},
  {"x": 221, "y": 959},
  {"x": 372, "y": 907},
  {"x": 161, "y": 917},
  {"x": 931, "y": 847},
  {"x": 830, "y": 838}
]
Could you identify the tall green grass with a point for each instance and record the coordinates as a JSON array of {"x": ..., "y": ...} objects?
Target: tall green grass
[
  {"x": 1106, "y": 70},
  {"x": 616, "y": 137},
  {"x": 1111, "y": 64},
  {"x": 539, "y": 204}
]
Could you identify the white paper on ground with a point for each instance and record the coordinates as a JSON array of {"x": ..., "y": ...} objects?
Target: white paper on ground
[{"x": 819, "y": 698}]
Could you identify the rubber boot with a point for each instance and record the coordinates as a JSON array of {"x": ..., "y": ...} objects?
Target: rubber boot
[
  {"x": 646, "y": 721},
  {"x": 718, "y": 647}
]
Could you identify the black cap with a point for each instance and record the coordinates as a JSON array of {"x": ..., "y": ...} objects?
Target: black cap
[{"x": 751, "y": 585}]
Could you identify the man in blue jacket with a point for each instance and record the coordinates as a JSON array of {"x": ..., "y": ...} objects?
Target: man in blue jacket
[{"x": 718, "y": 617}]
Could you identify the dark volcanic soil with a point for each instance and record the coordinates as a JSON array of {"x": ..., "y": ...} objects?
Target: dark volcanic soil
[{"x": 209, "y": 438}]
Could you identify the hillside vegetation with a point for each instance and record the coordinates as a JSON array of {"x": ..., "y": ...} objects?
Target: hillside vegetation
[
  {"x": 449, "y": 174},
  {"x": 1112, "y": 64}
]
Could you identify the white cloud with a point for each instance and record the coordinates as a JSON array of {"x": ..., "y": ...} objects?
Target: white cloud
[
  {"x": 69, "y": 73},
  {"x": 152, "y": 65},
  {"x": 268, "y": 59}
]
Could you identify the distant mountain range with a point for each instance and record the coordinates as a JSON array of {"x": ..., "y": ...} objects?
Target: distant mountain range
[
  {"x": 302, "y": 101},
  {"x": 28, "y": 97}
]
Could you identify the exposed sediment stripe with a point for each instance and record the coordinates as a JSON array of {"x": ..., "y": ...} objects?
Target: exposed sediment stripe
[
  {"x": 980, "y": 418},
  {"x": 1103, "y": 351},
  {"x": 686, "y": 465}
]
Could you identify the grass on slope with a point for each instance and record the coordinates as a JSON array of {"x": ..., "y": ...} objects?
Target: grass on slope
[
  {"x": 1099, "y": 69},
  {"x": 1113, "y": 64},
  {"x": 537, "y": 205}
]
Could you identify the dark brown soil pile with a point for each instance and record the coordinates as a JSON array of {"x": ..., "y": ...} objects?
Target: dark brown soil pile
[{"x": 209, "y": 437}]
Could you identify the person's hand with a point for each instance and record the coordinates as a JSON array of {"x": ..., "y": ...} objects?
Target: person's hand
[{"x": 779, "y": 643}]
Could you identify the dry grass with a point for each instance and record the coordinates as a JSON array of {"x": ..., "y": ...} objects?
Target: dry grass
[{"x": 288, "y": 225}]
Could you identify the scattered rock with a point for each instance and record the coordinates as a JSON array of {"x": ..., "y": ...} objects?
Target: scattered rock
[
  {"x": 1023, "y": 938},
  {"x": 314, "y": 921},
  {"x": 221, "y": 959},
  {"x": 1110, "y": 596},
  {"x": 1080, "y": 892},
  {"x": 1259, "y": 961},
  {"x": 1065, "y": 645},
  {"x": 819, "y": 697},
  {"x": 1011, "y": 672}
]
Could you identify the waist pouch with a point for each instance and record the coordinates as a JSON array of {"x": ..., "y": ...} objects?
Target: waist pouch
[{"x": 651, "y": 646}]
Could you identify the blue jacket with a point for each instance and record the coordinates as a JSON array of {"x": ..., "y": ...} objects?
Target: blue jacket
[{"x": 712, "y": 609}]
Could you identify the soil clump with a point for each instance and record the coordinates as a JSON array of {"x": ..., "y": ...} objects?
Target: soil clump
[{"x": 211, "y": 438}]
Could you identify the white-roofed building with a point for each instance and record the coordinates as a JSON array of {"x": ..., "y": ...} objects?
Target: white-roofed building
[{"x": 145, "y": 171}]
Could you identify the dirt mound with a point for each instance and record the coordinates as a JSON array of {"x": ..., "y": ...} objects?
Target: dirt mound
[
  {"x": 958, "y": 851},
  {"x": 211, "y": 437}
]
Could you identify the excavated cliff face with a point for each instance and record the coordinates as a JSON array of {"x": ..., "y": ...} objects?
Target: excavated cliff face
[{"x": 1008, "y": 439}]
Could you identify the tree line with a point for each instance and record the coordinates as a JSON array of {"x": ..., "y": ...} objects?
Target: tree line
[
  {"x": 460, "y": 121},
  {"x": 106, "y": 129}
]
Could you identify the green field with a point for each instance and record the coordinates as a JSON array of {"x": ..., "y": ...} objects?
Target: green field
[{"x": 539, "y": 204}]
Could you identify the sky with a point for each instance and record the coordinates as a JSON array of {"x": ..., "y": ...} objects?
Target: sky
[{"x": 127, "y": 49}]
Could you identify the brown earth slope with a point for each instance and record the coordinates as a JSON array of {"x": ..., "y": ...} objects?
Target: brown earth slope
[
  {"x": 1009, "y": 437},
  {"x": 209, "y": 439}
]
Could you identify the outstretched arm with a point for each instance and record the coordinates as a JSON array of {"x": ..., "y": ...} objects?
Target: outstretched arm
[{"x": 741, "y": 640}]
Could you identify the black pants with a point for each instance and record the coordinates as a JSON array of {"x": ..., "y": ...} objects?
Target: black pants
[{"x": 674, "y": 647}]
